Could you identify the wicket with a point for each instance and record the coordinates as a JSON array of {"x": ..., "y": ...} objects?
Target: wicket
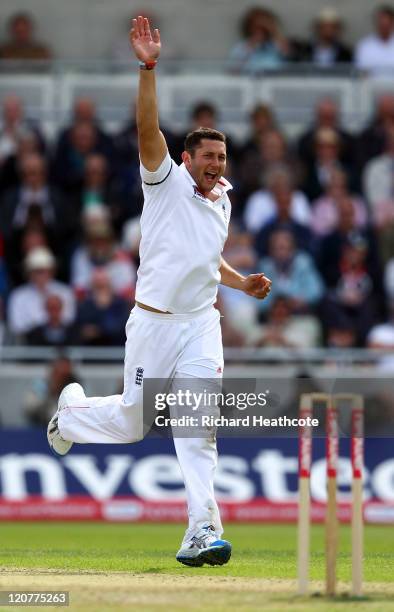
[{"x": 305, "y": 459}]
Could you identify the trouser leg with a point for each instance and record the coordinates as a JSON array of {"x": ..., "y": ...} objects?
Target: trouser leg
[
  {"x": 150, "y": 352},
  {"x": 202, "y": 363}
]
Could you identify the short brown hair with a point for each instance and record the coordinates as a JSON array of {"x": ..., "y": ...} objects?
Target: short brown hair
[{"x": 193, "y": 139}]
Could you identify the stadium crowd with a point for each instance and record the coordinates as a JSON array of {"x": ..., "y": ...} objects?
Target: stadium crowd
[
  {"x": 316, "y": 215},
  {"x": 263, "y": 44}
]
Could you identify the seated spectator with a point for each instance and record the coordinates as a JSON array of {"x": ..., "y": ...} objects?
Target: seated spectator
[
  {"x": 350, "y": 266},
  {"x": 82, "y": 137},
  {"x": 26, "y": 305},
  {"x": 10, "y": 171},
  {"x": 325, "y": 215},
  {"x": 378, "y": 179},
  {"x": 379, "y": 189},
  {"x": 102, "y": 315},
  {"x": 346, "y": 232},
  {"x": 285, "y": 218},
  {"x": 261, "y": 121},
  {"x": 372, "y": 139},
  {"x": 84, "y": 111},
  {"x": 375, "y": 52},
  {"x": 99, "y": 250},
  {"x": 326, "y": 49},
  {"x": 327, "y": 159},
  {"x": 356, "y": 293},
  {"x": 381, "y": 336},
  {"x": 41, "y": 401},
  {"x": 31, "y": 238},
  {"x": 271, "y": 150},
  {"x": 204, "y": 114},
  {"x": 262, "y": 206},
  {"x": 292, "y": 272},
  {"x": 35, "y": 203},
  {"x": 241, "y": 309},
  {"x": 22, "y": 45},
  {"x": 14, "y": 127},
  {"x": 326, "y": 117},
  {"x": 100, "y": 189},
  {"x": 54, "y": 332},
  {"x": 283, "y": 328},
  {"x": 263, "y": 46}
]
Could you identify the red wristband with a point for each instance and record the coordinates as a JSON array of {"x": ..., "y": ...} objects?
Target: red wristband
[{"x": 148, "y": 65}]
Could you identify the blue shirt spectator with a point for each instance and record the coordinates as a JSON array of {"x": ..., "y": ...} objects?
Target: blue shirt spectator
[{"x": 293, "y": 274}]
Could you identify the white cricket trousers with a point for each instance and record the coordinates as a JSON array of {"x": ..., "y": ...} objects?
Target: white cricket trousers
[{"x": 160, "y": 346}]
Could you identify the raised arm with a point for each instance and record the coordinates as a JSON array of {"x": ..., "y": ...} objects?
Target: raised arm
[{"x": 152, "y": 144}]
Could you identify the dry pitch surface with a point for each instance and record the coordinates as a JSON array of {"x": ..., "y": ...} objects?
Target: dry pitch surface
[{"x": 131, "y": 567}]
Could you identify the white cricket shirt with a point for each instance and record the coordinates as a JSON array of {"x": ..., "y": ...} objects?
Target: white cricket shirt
[{"x": 183, "y": 234}]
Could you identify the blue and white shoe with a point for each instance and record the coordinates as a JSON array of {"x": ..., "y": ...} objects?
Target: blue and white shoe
[
  {"x": 204, "y": 547},
  {"x": 72, "y": 394}
]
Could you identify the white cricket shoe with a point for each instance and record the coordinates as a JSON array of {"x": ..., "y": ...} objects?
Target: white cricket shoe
[
  {"x": 72, "y": 394},
  {"x": 204, "y": 547}
]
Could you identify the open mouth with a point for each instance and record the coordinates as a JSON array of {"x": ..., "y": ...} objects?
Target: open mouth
[{"x": 211, "y": 176}]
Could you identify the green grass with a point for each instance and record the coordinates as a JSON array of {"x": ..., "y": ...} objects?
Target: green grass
[{"x": 259, "y": 551}]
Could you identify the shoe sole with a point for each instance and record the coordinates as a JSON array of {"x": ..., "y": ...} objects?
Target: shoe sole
[
  {"x": 216, "y": 555},
  {"x": 191, "y": 561}
]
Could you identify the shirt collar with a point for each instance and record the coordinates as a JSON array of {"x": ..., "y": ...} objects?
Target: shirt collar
[{"x": 220, "y": 188}]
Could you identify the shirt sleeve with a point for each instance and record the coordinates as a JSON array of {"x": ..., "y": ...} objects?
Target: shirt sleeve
[{"x": 158, "y": 176}]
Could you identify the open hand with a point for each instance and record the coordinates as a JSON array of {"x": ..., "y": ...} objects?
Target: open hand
[
  {"x": 257, "y": 285},
  {"x": 147, "y": 46}
]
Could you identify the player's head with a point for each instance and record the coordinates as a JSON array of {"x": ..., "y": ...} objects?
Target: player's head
[{"x": 205, "y": 157}]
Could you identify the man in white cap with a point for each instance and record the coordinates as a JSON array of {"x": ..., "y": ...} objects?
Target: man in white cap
[{"x": 26, "y": 306}]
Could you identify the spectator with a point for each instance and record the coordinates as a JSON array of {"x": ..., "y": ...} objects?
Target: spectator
[
  {"x": 270, "y": 150},
  {"x": 325, "y": 209},
  {"x": 15, "y": 126},
  {"x": 375, "y": 52},
  {"x": 240, "y": 308},
  {"x": 263, "y": 46},
  {"x": 41, "y": 401},
  {"x": 26, "y": 306},
  {"x": 285, "y": 329},
  {"x": 326, "y": 117},
  {"x": 372, "y": 140},
  {"x": 261, "y": 121},
  {"x": 327, "y": 159},
  {"x": 100, "y": 250},
  {"x": 262, "y": 206},
  {"x": 378, "y": 178},
  {"x": 285, "y": 217},
  {"x": 356, "y": 293},
  {"x": 22, "y": 45},
  {"x": 381, "y": 336},
  {"x": 54, "y": 332},
  {"x": 36, "y": 204},
  {"x": 204, "y": 114},
  {"x": 346, "y": 232},
  {"x": 34, "y": 191},
  {"x": 83, "y": 136},
  {"x": 102, "y": 315},
  {"x": 10, "y": 170},
  {"x": 326, "y": 49},
  {"x": 31, "y": 238},
  {"x": 292, "y": 272}
]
